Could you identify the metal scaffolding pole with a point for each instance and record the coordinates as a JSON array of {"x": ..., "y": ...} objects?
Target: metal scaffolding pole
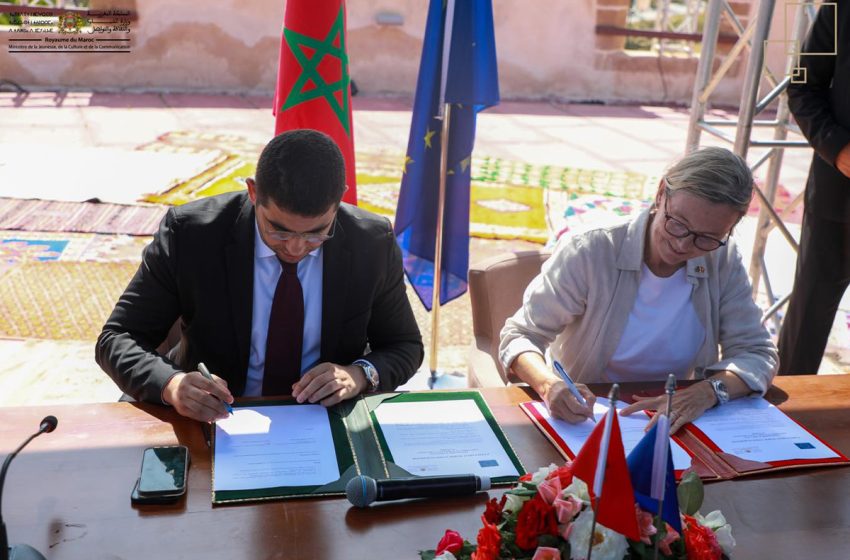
[{"x": 754, "y": 37}]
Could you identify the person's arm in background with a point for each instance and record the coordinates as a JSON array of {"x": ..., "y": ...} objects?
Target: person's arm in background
[
  {"x": 809, "y": 100},
  {"x": 557, "y": 296}
]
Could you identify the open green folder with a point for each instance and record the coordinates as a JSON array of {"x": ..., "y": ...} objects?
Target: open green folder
[{"x": 361, "y": 444}]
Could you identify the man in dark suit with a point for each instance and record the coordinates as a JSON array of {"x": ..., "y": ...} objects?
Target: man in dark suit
[
  {"x": 280, "y": 290},
  {"x": 820, "y": 102}
]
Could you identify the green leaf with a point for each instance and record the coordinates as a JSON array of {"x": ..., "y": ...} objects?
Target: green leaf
[
  {"x": 427, "y": 554},
  {"x": 690, "y": 493}
]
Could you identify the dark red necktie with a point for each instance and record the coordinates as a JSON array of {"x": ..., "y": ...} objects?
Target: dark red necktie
[{"x": 285, "y": 334}]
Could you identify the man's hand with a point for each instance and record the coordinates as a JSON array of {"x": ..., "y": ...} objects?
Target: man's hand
[
  {"x": 688, "y": 405},
  {"x": 563, "y": 404},
  {"x": 328, "y": 384},
  {"x": 193, "y": 395},
  {"x": 842, "y": 161}
]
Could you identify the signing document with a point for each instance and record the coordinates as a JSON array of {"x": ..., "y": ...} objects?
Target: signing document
[
  {"x": 632, "y": 428},
  {"x": 442, "y": 438},
  {"x": 756, "y": 430},
  {"x": 273, "y": 446}
]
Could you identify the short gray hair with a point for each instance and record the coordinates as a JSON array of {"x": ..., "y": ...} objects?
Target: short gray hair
[{"x": 713, "y": 174}]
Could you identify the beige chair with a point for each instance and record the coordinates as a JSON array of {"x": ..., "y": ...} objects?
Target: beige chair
[{"x": 495, "y": 289}]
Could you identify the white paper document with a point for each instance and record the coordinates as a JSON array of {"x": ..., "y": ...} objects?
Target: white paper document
[
  {"x": 270, "y": 446},
  {"x": 756, "y": 430},
  {"x": 632, "y": 428},
  {"x": 442, "y": 438}
]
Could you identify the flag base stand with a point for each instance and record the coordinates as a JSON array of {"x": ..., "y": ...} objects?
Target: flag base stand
[{"x": 448, "y": 380}]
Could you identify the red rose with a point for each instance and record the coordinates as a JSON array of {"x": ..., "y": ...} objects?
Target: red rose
[
  {"x": 525, "y": 478},
  {"x": 493, "y": 513},
  {"x": 565, "y": 474},
  {"x": 700, "y": 542},
  {"x": 451, "y": 541},
  {"x": 535, "y": 518},
  {"x": 489, "y": 542}
]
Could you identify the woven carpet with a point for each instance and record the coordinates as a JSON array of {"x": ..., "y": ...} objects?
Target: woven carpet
[
  {"x": 60, "y": 300},
  {"x": 87, "y": 217},
  {"x": 24, "y": 246},
  {"x": 509, "y": 198}
]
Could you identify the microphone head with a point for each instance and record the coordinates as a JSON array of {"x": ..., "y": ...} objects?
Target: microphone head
[
  {"x": 361, "y": 490},
  {"x": 48, "y": 424}
]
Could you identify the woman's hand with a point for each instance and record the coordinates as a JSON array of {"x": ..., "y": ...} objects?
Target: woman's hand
[
  {"x": 688, "y": 405},
  {"x": 562, "y": 403}
]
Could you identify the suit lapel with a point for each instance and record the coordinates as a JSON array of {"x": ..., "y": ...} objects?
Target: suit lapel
[
  {"x": 239, "y": 257},
  {"x": 336, "y": 259}
]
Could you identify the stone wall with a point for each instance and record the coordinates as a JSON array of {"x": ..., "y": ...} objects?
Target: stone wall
[{"x": 547, "y": 49}]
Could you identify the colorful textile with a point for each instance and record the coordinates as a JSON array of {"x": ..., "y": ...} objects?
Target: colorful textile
[
  {"x": 89, "y": 217},
  {"x": 60, "y": 300}
]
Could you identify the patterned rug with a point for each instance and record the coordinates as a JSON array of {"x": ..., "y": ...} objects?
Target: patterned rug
[
  {"x": 60, "y": 300},
  {"x": 88, "y": 217},
  {"x": 23, "y": 246},
  {"x": 509, "y": 198}
]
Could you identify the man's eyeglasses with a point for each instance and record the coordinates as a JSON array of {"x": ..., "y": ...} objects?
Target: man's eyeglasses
[
  {"x": 680, "y": 231},
  {"x": 308, "y": 238}
]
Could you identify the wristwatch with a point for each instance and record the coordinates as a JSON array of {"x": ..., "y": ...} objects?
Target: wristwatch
[
  {"x": 720, "y": 391},
  {"x": 370, "y": 372}
]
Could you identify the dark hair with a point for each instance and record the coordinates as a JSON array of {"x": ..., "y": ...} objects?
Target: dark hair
[{"x": 301, "y": 171}]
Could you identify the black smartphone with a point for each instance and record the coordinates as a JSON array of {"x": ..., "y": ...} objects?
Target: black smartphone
[{"x": 164, "y": 472}]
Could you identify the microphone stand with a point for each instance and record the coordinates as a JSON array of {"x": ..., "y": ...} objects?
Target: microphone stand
[{"x": 20, "y": 551}]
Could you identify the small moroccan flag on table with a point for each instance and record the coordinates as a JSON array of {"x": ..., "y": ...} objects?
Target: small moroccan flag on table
[{"x": 313, "y": 83}]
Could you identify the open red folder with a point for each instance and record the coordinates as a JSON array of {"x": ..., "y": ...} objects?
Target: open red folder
[{"x": 750, "y": 436}]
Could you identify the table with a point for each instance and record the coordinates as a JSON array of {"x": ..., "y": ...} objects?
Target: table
[{"x": 68, "y": 493}]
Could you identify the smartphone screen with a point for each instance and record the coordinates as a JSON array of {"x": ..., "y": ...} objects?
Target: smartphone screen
[{"x": 164, "y": 470}]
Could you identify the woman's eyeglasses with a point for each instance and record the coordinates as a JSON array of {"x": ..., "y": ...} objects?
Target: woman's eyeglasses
[{"x": 680, "y": 231}]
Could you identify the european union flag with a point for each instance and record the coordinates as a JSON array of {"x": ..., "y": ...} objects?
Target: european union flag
[
  {"x": 471, "y": 83},
  {"x": 643, "y": 468}
]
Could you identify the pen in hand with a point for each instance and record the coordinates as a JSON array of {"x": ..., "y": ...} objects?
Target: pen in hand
[
  {"x": 206, "y": 373},
  {"x": 562, "y": 373}
]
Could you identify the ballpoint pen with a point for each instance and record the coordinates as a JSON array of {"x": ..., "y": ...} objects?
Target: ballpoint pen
[
  {"x": 559, "y": 369},
  {"x": 206, "y": 373}
]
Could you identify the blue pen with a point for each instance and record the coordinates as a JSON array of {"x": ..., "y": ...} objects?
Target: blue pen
[
  {"x": 559, "y": 369},
  {"x": 206, "y": 373}
]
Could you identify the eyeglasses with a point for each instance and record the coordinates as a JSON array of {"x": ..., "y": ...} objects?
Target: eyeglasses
[
  {"x": 308, "y": 238},
  {"x": 680, "y": 231}
]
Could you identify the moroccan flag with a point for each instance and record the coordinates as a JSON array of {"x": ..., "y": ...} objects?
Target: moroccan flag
[
  {"x": 460, "y": 71},
  {"x": 313, "y": 84},
  {"x": 601, "y": 463},
  {"x": 651, "y": 468}
]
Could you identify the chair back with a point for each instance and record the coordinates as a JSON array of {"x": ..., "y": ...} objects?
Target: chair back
[{"x": 496, "y": 286}]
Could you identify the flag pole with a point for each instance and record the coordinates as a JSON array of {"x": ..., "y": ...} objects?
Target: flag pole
[
  {"x": 669, "y": 388},
  {"x": 438, "y": 247},
  {"x": 602, "y": 461},
  {"x": 446, "y": 111}
]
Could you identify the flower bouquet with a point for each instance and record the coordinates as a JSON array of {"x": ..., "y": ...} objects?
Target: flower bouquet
[{"x": 547, "y": 516}]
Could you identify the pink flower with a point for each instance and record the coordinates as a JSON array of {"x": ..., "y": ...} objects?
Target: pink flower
[
  {"x": 550, "y": 490},
  {"x": 671, "y": 537},
  {"x": 451, "y": 541},
  {"x": 546, "y": 553},
  {"x": 566, "y": 509},
  {"x": 646, "y": 526},
  {"x": 564, "y": 474}
]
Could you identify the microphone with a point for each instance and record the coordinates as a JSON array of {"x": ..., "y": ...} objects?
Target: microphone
[
  {"x": 363, "y": 490},
  {"x": 21, "y": 551}
]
